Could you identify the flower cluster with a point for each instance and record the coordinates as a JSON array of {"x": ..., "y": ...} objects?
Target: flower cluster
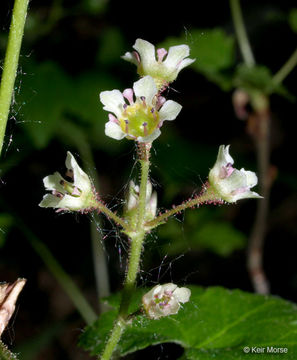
[
  {"x": 72, "y": 195},
  {"x": 164, "y": 300},
  {"x": 138, "y": 113},
  {"x": 228, "y": 183}
]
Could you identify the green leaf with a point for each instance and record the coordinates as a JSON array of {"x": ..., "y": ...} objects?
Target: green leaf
[
  {"x": 258, "y": 78},
  {"x": 48, "y": 95},
  {"x": 111, "y": 46},
  {"x": 44, "y": 92},
  {"x": 216, "y": 323},
  {"x": 5, "y": 354},
  {"x": 214, "y": 52},
  {"x": 202, "y": 232},
  {"x": 293, "y": 19}
]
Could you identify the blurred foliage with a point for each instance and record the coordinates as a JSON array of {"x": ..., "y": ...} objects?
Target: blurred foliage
[
  {"x": 5, "y": 354},
  {"x": 202, "y": 230},
  {"x": 258, "y": 78},
  {"x": 48, "y": 95},
  {"x": 293, "y": 19},
  {"x": 215, "y": 323},
  {"x": 214, "y": 51},
  {"x": 6, "y": 222}
]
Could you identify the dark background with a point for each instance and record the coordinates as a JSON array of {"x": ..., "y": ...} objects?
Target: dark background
[{"x": 73, "y": 35}]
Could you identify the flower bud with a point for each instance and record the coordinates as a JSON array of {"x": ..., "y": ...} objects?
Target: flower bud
[
  {"x": 131, "y": 208},
  {"x": 72, "y": 196},
  {"x": 228, "y": 183},
  {"x": 164, "y": 300}
]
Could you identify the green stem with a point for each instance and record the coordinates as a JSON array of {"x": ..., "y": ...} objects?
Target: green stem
[
  {"x": 241, "y": 34},
  {"x": 111, "y": 215},
  {"x": 208, "y": 196},
  {"x": 11, "y": 62},
  {"x": 285, "y": 70},
  {"x": 137, "y": 238},
  {"x": 113, "y": 339},
  {"x": 61, "y": 276}
]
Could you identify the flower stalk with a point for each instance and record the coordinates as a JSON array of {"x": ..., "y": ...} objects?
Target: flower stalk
[
  {"x": 11, "y": 62},
  {"x": 137, "y": 236}
]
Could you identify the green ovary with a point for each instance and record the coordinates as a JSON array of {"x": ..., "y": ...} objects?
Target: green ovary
[{"x": 138, "y": 120}]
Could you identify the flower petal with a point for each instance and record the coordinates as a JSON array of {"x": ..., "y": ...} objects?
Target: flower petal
[
  {"x": 169, "y": 110},
  {"x": 146, "y": 51},
  {"x": 169, "y": 287},
  {"x": 130, "y": 57},
  {"x": 175, "y": 55},
  {"x": 50, "y": 200},
  {"x": 72, "y": 203},
  {"x": 113, "y": 101},
  {"x": 150, "y": 138},
  {"x": 251, "y": 178},
  {"x": 80, "y": 178},
  {"x": 114, "y": 131},
  {"x": 246, "y": 195},
  {"x": 53, "y": 182},
  {"x": 185, "y": 63},
  {"x": 182, "y": 294},
  {"x": 145, "y": 87}
]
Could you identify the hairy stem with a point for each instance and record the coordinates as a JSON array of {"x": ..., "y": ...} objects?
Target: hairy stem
[
  {"x": 111, "y": 215},
  {"x": 11, "y": 62},
  {"x": 137, "y": 238},
  {"x": 241, "y": 34},
  {"x": 196, "y": 201},
  {"x": 285, "y": 70},
  {"x": 113, "y": 340}
]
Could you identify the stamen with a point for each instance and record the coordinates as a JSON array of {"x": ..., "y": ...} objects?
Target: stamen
[
  {"x": 145, "y": 129},
  {"x": 226, "y": 171},
  {"x": 154, "y": 114},
  {"x": 160, "y": 101},
  {"x": 126, "y": 126},
  {"x": 125, "y": 108},
  {"x": 142, "y": 98},
  {"x": 137, "y": 57},
  {"x": 161, "y": 53},
  {"x": 76, "y": 191},
  {"x": 57, "y": 194},
  {"x": 69, "y": 173},
  {"x": 128, "y": 94}
]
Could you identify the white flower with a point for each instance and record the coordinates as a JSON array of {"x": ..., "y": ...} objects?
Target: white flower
[
  {"x": 139, "y": 119},
  {"x": 228, "y": 183},
  {"x": 131, "y": 207},
  {"x": 164, "y": 300},
  {"x": 163, "y": 71},
  {"x": 72, "y": 196}
]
